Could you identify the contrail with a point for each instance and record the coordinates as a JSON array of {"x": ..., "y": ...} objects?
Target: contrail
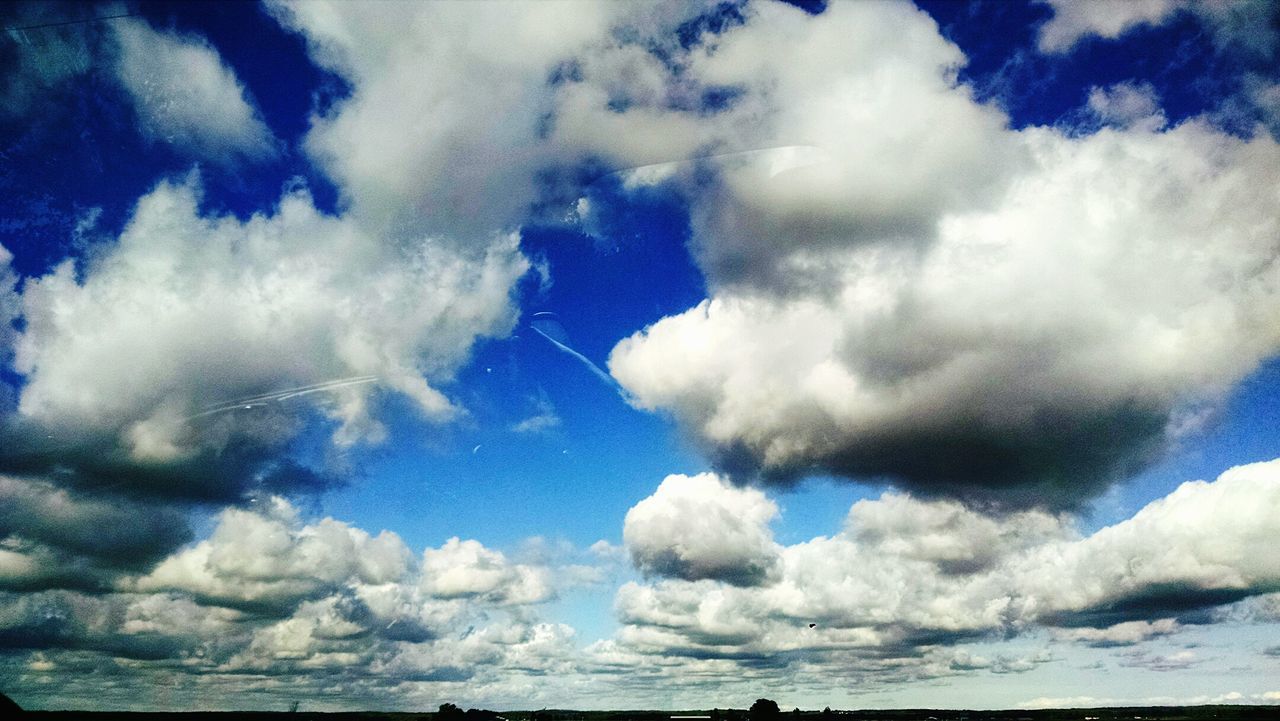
[
  {"x": 263, "y": 399},
  {"x": 546, "y": 317}
]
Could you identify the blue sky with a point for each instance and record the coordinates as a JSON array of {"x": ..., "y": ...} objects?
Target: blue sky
[{"x": 639, "y": 355}]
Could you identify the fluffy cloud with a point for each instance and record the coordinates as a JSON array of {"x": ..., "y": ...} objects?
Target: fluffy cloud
[
  {"x": 269, "y": 596},
  {"x": 1126, "y": 105},
  {"x": 186, "y": 97},
  {"x": 901, "y": 593},
  {"x": 187, "y": 313},
  {"x": 900, "y": 285},
  {"x": 1244, "y": 25},
  {"x": 265, "y": 558},
  {"x": 907, "y": 579},
  {"x": 700, "y": 527},
  {"x": 1072, "y": 21},
  {"x": 1202, "y": 545},
  {"x": 1009, "y": 337},
  {"x": 456, "y": 156},
  {"x": 466, "y": 569},
  {"x": 1127, "y": 633}
]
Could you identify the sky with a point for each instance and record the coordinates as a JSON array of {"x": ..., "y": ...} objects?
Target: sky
[{"x": 639, "y": 355}]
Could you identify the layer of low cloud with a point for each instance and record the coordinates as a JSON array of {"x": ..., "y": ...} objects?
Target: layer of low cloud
[
  {"x": 907, "y": 578},
  {"x": 186, "y": 97},
  {"x": 269, "y": 595},
  {"x": 909, "y": 590}
]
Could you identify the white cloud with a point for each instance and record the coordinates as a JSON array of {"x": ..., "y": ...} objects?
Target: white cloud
[
  {"x": 1239, "y": 25},
  {"x": 187, "y": 311},
  {"x": 696, "y": 527},
  {"x": 267, "y": 594},
  {"x": 945, "y": 533},
  {"x": 1203, "y": 544},
  {"x": 907, "y": 577},
  {"x": 898, "y": 595},
  {"x": 466, "y": 569},
  {"x": 186, "y": 97},
  {"x": 899, "y": 284},
  {"x": 1074, "y": 20},
  {"x": 454, "y": 156},
  {"x": 1037, "y": 344},
  {"x": 1127, "y": 633},
  {"x": 265, "y": 557},
  {"x": 1127, "y": 105},
  {"x": 542, "y": 420}
]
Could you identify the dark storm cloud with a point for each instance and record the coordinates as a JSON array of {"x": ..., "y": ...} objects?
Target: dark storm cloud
[
  {"x": 1059, "y": 459},
  {"x": 232, "y": 455},
  {"x": 111, "y": 529},
  {"x": 1184, "y": 601},
  {"x": 72, "y": 621}
]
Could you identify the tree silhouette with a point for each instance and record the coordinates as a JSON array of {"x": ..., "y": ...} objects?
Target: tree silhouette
[{"x": 764, "y": 709}]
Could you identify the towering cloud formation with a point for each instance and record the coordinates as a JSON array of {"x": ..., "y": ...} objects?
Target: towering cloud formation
[{"x": 979, "y": 312}]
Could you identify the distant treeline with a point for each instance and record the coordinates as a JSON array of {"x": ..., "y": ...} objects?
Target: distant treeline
[{"x": 1163, "y": 713}]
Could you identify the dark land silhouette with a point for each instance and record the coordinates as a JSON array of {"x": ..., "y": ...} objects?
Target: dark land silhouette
[{"x": 1144, "y": 713}]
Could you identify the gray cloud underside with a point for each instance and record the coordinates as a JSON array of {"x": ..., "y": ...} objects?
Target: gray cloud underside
[
  {"x": 907, "y": 578},
  {"x": 1010, "y": 317}
]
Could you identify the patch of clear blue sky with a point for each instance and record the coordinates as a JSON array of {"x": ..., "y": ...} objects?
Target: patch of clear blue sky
[{"x": 575, "y": 480}]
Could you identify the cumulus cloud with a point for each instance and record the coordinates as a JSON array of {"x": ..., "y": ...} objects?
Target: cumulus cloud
[
  {"x": 268, "y": 595},
  {"x": 1011, "y": 337},
  {"x": 1071, "y": 20},
  {"x": 415, "y": 156},
  {"x": 187, "y": 312},
  {"x": 1127, "y": 105},
  {"x": 1127, "y": 633},
  {"x": 1244, "y": 25},
  {"x": 696, "y": 527},
  {"x": 1015, "y": 317},
  {"x": 1200, "y": 546},
  {"x": 901, "y": 593},
  {"x": 185, "y": 96},
  {"x": 907, "y": 579},
  {"x": 466, "y": 569},
  {"x": 70, "y": 620},
  {"x": 266, "y": 558}
]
